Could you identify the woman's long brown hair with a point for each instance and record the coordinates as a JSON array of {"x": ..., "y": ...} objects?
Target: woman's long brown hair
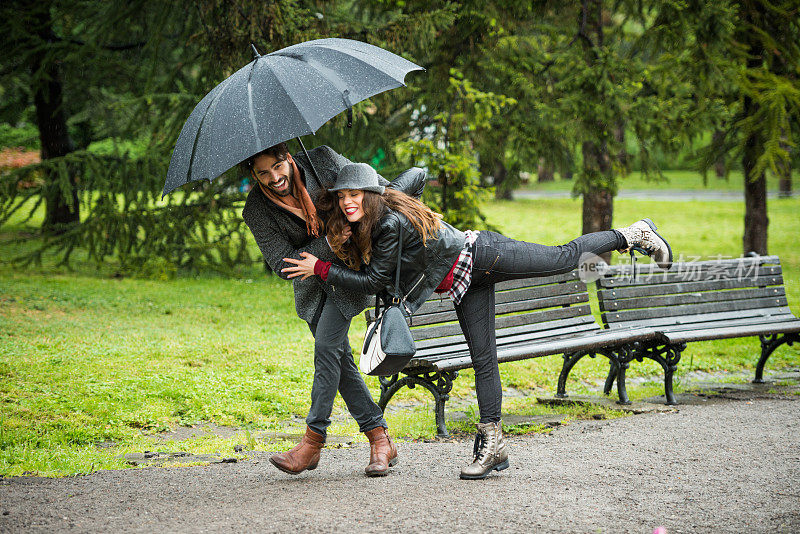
[{"x": 358, "y": 249}]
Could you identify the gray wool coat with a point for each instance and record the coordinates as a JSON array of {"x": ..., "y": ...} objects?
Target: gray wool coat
[{"x": 281, "y": 234}]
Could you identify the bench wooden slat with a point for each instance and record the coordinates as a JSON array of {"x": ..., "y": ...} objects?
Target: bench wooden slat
[
  {"x": 459, "y": 344},
  {"x": 726, "y": 332},
  {"x": 739, "y": 321},
  {"x": 604, "y": 338},
  {"x": 686, "y": 287},
  {"x": 428, "y": 336},
  {"x": 441, "y": 304},
  {"x": 543, "y": 338},
  {"x": 515, "y": 320},
  {"x": 540, "y": 303},
  {"x": 694, "y": 309},
  {"x": 524, "y": 294},
  {"x": 661, "y": 322},
  {"x": 537, "y": 281},
  {"x": 625, "y": 269},
  {"x": 691, "y": 298},
  {"x": 723, "y": 272},
  {"x": 531, "y": 293}
]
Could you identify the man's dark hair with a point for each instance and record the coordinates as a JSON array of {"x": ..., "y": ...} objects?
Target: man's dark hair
[{"x": 279, "y": 152}]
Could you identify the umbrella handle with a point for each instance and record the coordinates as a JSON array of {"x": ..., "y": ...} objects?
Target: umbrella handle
[{"x": 313, "y": 170}]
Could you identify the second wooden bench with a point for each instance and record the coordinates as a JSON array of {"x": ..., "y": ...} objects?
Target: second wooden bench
[{"x": 534, "y": 317}]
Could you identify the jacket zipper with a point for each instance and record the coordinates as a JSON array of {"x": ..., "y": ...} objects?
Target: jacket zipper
[{"x": 417, "y": 283}]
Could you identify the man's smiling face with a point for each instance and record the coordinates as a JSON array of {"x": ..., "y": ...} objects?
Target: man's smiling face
[{"x": 274, "y": 174}]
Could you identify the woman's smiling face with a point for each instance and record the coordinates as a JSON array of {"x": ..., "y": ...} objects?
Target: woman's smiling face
[{"x": 350, "y": 202}]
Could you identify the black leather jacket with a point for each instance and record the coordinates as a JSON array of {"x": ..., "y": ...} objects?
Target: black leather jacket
[{"x": 422, "y": 267}]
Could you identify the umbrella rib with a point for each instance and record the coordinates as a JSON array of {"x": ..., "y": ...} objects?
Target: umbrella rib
[
  {"x": 299, "y": 111},
  {"x": 224, "y": 85},
  {"x": 358, "y": 56},
  {"x": 250, "y": 107},
  {"x": 332, "y": 78},
  {"x": 196, "y": 138}
]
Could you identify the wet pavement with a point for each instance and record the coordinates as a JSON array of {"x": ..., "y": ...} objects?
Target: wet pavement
[{"x": 726, "y": 460}]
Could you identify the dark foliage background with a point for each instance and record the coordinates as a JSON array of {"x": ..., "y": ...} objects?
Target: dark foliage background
[{"x": 587, "y": 90}]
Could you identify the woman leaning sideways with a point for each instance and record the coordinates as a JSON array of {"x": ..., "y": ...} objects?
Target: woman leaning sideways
[{"x": 465, "y": 266}]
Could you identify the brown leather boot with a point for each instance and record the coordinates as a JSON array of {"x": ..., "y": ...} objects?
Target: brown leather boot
[
  {"x": 382, "y": 452},
  {"x": 304, "y": 456}
]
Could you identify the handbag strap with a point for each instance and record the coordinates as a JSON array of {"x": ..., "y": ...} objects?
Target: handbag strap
[{"x": 397, "y": 294}]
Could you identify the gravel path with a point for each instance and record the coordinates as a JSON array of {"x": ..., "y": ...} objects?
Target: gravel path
[{"x": 721, "y": 464}]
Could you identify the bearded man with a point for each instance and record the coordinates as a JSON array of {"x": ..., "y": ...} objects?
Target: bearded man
[{"x": 285, "y": 213}]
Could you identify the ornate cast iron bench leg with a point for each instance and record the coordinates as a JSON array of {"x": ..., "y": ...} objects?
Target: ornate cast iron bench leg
[
  {"x": 570, "y": 359},
  {"x": 616, "y": 373},
  {"x": 439, "y": 383},
  {"x": 613, "y": 372},
  {"x": 667, "y": 356},
  {"x": 768, "y": 346}
]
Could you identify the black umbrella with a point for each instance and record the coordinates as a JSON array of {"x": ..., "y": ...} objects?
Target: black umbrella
[{"x": 277, "y": 97}]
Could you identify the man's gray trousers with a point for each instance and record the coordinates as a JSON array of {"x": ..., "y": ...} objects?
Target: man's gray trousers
[{"x": 334, "y": 369}]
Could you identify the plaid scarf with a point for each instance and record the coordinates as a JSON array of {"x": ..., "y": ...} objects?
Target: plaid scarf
[{"x": 462, "y": 273}]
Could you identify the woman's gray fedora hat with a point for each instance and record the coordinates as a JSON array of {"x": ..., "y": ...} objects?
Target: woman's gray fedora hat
[{"x": 357, "y": 176}]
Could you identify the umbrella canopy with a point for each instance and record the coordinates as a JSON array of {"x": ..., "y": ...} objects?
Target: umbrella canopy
[{"x": 276, "y": 97}]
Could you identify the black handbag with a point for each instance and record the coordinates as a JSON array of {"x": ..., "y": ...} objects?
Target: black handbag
[{"x": 388, "y": 344}]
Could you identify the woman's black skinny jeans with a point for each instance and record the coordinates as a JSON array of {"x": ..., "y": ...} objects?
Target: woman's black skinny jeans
[{"x": 497, "y": 258}]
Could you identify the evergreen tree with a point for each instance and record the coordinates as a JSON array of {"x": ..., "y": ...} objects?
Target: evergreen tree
[
  {"x": 130, "y": 75},
  {"x": 584, "y": 77},
  {"x": 744, "y": 65}
]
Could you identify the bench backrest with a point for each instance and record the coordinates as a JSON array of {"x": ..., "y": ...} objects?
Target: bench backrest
[
  {"x": 525, "y": 309},
  {"x": 693, "y": 292}
]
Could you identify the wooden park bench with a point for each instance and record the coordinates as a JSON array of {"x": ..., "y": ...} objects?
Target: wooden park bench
[
  {"x": 534, "y": 317},
  {"x": 696, "y": 301}
]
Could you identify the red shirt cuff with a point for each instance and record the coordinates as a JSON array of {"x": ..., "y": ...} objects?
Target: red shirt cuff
[
  {"x": 447, "y": 283},
  {"x": 321, "y": 269}
]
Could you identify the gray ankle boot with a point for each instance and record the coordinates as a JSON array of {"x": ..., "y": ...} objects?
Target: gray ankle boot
[
  {"x": 642, "y": 237},
  {"x": 490, "y": 452}
]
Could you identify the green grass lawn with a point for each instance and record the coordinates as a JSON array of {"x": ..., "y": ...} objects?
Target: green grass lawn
[
  {"x": 86, "y": 358},
  {"x": 681, "y": 180}
]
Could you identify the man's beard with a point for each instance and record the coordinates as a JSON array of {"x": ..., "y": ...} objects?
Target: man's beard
[{"x": 289, "y": 185}]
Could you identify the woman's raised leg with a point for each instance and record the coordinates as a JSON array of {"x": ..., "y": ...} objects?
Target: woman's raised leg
[{"x": 504, "y": 258}]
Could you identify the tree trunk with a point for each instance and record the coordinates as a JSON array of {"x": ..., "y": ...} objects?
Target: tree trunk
[
  {"x": 785, "y": 183},
  {"x": 501, "y": 189},
  {"x": 598, "y": 208},
  {"x": 755, "y": 186},
  {"x": 598, "y": 202},
  {"x": 619, "y": 137},
  {"x": 755, "y": 216},
  {"x": 546, "y": 171},
  {"x": 719, "y": 164},
  {"x": 61, "y": 207},
  {"x": 755, "y": 195},
  {"x": 784, "y": 176}
]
